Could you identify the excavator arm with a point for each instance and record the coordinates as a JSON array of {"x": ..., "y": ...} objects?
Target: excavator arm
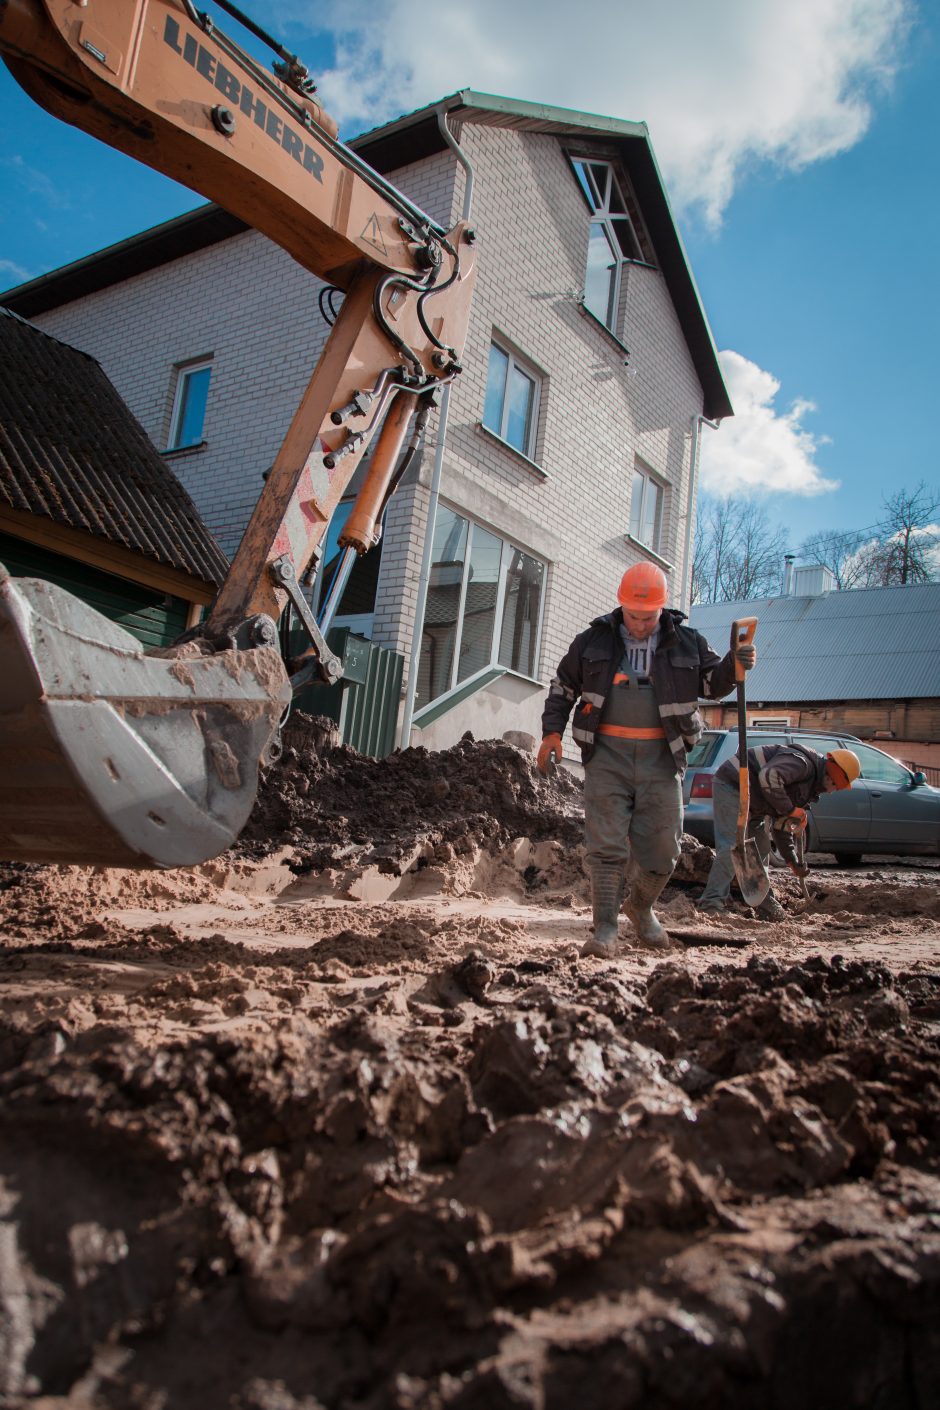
[{"x": 112, "y": 756}]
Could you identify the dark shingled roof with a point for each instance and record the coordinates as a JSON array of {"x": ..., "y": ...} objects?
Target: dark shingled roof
[{"x": 71, "y": 451}]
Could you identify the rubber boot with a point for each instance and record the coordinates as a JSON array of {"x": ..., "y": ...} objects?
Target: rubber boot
[
  {"x": 606, "y": 895},
  {"x": 645, "y": 888}
]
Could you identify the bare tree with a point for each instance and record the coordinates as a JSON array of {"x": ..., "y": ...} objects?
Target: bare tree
[
  {"x": 737, "y": 554},
  {"x": 839, "y": 551},
  {"x": 909, "y": 537}
]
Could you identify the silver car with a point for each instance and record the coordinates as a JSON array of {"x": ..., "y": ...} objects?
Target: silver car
[{"x": 889, "y": 810}]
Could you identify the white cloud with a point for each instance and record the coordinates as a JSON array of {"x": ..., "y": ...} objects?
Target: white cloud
[
  {"x": 16, "y": 271},
  {"x": 761, "y": 450},
  {"x": 34, "y": 182},
  {"x": 723, "y": 86}
]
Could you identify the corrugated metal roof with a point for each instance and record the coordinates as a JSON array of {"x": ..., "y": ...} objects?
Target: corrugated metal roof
[
  {"x": 71, "y": 450},
  {"x": 864, "y": 644}
]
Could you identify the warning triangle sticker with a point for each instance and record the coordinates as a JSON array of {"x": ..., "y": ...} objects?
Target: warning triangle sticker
[{"x": 373, "y": 235}]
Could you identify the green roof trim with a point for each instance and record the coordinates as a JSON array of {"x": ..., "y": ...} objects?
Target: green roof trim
[{"x": 445, "y": 703}]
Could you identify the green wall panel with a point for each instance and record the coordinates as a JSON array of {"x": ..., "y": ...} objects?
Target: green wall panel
[{"x": 153, "y": 617}]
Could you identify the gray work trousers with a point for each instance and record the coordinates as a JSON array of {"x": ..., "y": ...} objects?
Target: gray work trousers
[
  {"x": 632, "y": 805},
  {"x": 725, "y": 801}
]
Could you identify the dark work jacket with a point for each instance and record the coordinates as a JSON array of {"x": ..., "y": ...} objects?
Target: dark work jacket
[
  {"x": 782, "y": 777},
  {"x": 684, "y": 668}
]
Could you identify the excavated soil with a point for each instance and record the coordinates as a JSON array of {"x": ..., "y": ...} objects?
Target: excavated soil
[{"x": 343, "y": 1122}]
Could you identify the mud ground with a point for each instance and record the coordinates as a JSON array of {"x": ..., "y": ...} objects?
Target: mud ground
[{"x": 343, "y": 1122}]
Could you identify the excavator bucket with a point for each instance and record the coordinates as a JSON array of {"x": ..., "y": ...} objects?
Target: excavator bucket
[{"x": 113, "y": 757}]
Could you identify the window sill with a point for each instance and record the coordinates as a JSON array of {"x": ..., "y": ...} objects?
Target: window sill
[
  {"x": 441, "y": 704},
  {"x": 183, "y": 450},
  {"x": 519, "y": 455},
  {"x": 649, "y": 552},
  {"x": 598, "y": 323}
]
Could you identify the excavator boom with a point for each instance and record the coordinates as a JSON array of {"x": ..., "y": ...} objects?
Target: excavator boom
[{"x": 111, "y": 755}]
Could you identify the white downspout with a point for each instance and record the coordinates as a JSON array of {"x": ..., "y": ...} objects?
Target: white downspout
[
  {"x": 697, "y": 423},
  {"x": 404, "y": 738}
]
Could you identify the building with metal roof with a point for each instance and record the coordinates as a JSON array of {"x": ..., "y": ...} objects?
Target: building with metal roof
[{"x": 866, "y": 660}]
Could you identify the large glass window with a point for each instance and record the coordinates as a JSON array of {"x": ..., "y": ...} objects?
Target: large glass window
[
  {"x": 511, "y": 405},
  {"x": 646, "y": 510},
  {"x": 483, "y": 607},
  {"x": 189, "y": 406},
  {"x": 522, "y": 604},
  {"x": 611, "y": 239}
]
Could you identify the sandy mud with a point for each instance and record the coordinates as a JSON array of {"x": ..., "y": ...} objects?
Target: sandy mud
[{"x": 343, "y": 1122}]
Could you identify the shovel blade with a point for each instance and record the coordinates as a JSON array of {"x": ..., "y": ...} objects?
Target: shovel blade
[{"x": 749, "y": 869}]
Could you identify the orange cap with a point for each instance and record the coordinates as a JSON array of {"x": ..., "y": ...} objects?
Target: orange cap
[{"x": 643, "y": 588}]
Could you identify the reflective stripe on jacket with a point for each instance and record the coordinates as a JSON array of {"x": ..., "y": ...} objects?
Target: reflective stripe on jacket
[
  {"x": 683, "y": 670},
  {"x": 782, "y": 777}
]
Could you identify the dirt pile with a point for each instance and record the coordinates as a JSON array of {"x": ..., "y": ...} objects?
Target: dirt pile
[
  {"x": 327, "y": 800},
  {"x": 418, "y": 1155}
]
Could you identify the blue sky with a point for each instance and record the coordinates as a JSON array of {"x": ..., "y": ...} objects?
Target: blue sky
[{"x": 799, "y": 145}]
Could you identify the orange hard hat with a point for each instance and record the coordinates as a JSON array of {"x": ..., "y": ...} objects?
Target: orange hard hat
[
  {"x": 847, "y": 765},
  {"x": 643, "y": 588}
]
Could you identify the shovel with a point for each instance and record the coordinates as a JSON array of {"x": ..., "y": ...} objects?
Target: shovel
[
  {"x": 799, "y": 844},
  {"x": 748, "y": 867}
]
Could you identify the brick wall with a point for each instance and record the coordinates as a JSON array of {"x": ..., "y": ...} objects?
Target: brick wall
[{"x": 255, "y": 311}]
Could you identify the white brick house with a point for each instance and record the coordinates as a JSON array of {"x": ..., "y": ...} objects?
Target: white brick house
[{"x": 552, "y": 481}]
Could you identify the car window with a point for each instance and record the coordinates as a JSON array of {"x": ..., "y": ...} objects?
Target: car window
[
  {"x": 703, "y": 753},
  {"x": 880, "y": 767},
  {"x": 819, "y": 743},
  {"x": 754, "y": 738}
]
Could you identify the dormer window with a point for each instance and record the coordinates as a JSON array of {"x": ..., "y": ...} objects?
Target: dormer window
[{"x": 612, "y": 238}]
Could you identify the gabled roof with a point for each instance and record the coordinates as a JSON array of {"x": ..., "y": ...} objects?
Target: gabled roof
[
  {"x": 71, "y": 451},
  {"x": 407, "y": 139},
  {"x": 864, "y": 644}
]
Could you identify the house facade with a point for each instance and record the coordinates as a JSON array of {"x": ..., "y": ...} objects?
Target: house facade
[{"x": 570, "y": 448}]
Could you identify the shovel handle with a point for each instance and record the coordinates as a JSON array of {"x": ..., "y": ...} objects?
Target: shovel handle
[{"x": 742, "y": 634}]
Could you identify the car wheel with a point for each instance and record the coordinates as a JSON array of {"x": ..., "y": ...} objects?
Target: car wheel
[{"x": 848, "y": 859}]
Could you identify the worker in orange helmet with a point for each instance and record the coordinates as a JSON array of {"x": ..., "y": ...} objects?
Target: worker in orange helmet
[
  {"x": 784, "y": 779},
  {"x": 633, "y": 679}
]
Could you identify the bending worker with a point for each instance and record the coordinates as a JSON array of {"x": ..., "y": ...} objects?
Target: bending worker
[
  {"x": 784, "y": 779},
  {"x": 634, "y": 679}
]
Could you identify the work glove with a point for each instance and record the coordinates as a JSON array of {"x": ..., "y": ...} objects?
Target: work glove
[
  {"x": 746, "y": 655},
  {"x": 792, "y": 822},
  {"x": 551, "y": 745},
  {"x": 784, "y": 844}
]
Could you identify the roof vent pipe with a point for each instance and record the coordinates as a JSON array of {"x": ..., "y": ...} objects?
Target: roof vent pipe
[{"x": 788, "y": 559}]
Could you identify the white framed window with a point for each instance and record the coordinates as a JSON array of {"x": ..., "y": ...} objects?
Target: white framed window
[
  {"x": 188, "y": 420},
  {"x": 646, "y": 510},
  {"x": 483, "y": 609},
  {"x": 612, "y": 238},
  {"x": 511, "y": 407}
]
